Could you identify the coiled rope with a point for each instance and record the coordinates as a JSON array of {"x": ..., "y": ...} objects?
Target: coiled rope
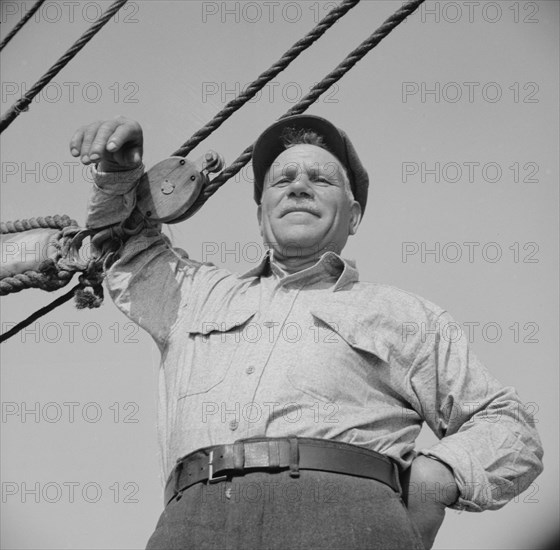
[
  {"x": 21, "y": 23},
  {"x": 22, "y": 104},
  {"x": 53, "y": 274}
]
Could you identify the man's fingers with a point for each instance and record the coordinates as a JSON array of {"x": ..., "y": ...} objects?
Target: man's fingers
[
  {"x": 102, "y": 137},
  {"x": 126, "y": 132},
  {"x": 117, "y": 142},
  {"x": 89, "y": 134},
  {"x": 76, "y": 142},
  {"x": 126, "y": 143}
]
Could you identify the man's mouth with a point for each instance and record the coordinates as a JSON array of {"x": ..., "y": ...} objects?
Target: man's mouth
[{"x": 304, "y": 209}]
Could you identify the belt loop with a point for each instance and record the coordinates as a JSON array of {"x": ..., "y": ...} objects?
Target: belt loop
[
  {"x": 274, "y": 453},
  {"x": 294, "y": 457},
  {"x": 397, "y": 478},
  {"x": 238, "y": 455},
  {"x": 177, "y": 474}
]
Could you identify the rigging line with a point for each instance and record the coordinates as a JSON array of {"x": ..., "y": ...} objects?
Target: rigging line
[
  {"x": 351, "y": 59},
  {"x": 21, "y": 23},
  {"x": 260, "y": 82},
  {"x": 22, "y": 104},
  {"x": 39, "y": 313}
]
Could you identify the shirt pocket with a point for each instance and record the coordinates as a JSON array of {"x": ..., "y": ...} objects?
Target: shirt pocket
[
  {"x": 356, "y": 330},
  {"x": 340, "y": 365},
  {"x": 214, "y": 344}
]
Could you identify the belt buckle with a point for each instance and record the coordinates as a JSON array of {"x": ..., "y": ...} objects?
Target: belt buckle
[{"x": 211, "y": 478}]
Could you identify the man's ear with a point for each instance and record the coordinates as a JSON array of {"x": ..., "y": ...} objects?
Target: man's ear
[
  {"x": 355, "y": 218},
  {"x": 259, "y": 218}
]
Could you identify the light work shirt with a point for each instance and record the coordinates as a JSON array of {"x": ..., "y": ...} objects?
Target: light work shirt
[{"x": 316, "y": 353}]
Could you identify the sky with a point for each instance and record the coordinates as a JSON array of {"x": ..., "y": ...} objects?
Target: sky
[{"x": 455, "y": 116}]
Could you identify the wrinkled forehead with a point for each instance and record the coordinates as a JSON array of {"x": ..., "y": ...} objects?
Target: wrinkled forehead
[{"x": 308, "y": 159}]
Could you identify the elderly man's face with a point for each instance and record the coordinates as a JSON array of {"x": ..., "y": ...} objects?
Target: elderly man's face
[{"x": 305, "y": 208}]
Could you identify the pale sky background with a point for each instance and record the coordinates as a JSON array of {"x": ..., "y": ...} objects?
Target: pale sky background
[{"x": 169, "y": 65}]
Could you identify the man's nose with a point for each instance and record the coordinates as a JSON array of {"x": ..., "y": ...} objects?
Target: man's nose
[{"x": 300, "y": 187}]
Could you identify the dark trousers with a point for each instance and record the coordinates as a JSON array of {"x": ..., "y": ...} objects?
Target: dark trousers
[{"x": 263, "y": 510}]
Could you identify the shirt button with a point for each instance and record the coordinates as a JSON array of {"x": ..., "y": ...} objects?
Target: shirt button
[
  {"x": 233, "y": 425},
  {"x": 250, "y": 370}
]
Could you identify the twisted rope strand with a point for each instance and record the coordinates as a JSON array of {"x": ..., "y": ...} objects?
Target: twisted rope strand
[
  {"x": 50, "y": 280},
  {"x": 21, "y": 104},
  {"x": 260, "y": 82},
  {"x": 49, "y": 222},
  {"x": 50, "y": 276},
  {"x": 21, "y": 23},
  {"x": 351, "y": 59}
]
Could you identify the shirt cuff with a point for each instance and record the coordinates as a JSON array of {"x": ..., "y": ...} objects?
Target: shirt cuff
[
  {"x": 468, "y": 499},
  {"x": 113, "y": 197},
  {"x": 117, "y": 183}
]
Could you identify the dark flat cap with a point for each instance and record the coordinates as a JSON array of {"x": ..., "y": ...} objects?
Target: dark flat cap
[{"x": 269, "y": 145}]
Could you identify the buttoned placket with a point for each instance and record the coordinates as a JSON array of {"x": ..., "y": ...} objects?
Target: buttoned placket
[{"x": 278, "y": 297}]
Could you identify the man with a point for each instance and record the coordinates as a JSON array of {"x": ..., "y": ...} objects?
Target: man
[{"x": 294, "y": 391}]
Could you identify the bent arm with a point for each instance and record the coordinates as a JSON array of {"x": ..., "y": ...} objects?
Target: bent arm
[{"x": 487, "y": 435}]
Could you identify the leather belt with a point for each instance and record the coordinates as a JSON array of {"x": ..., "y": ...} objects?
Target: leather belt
[{"x": 220, "y": 462}]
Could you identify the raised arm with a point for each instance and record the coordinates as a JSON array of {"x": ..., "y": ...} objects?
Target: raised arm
[{"x": 148, "y": 279}]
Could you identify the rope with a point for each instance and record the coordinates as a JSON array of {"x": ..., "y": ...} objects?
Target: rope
[
  {"x": 49, "y": 222},
  {"x": 260, "y": 82},
  {"x": 39, "y": 313},
  {"x": 89, "y": 292},
  {"x": 22, "y": 104},
  {"x": 52, "y": 274},
  {"x": 351, "y": 59},
  {"x": 21, "y": 23},
  {"x": 48, "y": 278}
]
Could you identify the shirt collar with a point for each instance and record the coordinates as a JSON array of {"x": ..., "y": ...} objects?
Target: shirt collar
[{"x": 329, "y": 265}]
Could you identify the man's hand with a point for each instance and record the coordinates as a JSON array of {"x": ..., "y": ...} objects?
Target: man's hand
[
  {"x": 114, "y": 145},
  {"x": 429, "y": 487}
]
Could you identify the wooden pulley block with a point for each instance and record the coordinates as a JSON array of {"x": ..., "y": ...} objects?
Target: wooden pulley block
[{"x": 170, "y": 187}]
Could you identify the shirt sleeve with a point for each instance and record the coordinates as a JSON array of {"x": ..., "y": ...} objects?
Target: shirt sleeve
[
  {"x": 487, "y": 435},
  {"x": 113, "y": 197},
  {"x": 149, "y": 280}
]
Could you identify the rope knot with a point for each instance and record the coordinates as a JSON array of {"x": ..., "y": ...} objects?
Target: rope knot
[{"x": 90, "y": 293}]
